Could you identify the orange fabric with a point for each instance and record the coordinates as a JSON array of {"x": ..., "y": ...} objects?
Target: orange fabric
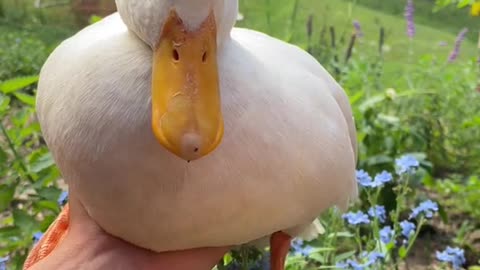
[
  {"x": 50, "y": 240},
  {"x": 279, "y": 247}
]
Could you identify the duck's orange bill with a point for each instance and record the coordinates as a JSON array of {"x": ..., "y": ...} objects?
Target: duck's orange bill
[
  {"x": 50, "y": 240},
  {"x": 186, "y": 109}
]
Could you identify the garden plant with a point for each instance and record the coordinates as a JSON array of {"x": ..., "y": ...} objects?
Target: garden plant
[{"x": 412, "y": 72}]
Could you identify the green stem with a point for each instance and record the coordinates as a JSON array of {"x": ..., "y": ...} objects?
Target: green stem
[
  {"x": 372, "y": 200},
  {"x": 358, "y": 239},
  {"x": 414, "y": 237},
  {"x": 15, "y": 153},
  {"x": 244, "y": 255},
  {"x": 268, "y": 17}
]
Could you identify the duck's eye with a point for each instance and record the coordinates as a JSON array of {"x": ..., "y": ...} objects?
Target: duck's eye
[
  {"x": 204, "y": 57},
  {"x": 175, "y": 55}
]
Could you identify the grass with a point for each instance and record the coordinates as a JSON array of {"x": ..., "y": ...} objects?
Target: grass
[{"x": 275, "y": 18}]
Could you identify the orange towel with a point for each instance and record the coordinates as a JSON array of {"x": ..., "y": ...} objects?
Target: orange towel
[{"x": 50, "y": 240}]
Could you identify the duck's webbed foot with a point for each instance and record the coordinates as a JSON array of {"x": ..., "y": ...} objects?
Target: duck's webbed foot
[{"x": 279, "y": 247}]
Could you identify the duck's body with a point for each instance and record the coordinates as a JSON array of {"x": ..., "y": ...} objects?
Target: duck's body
[{"x": 287, "y": 153}]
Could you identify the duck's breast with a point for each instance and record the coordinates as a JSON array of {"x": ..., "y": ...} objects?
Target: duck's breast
[{"x": 286, "y": 154}]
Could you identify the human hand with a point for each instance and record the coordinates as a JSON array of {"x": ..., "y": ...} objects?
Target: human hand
[{"x": 87, "y": 246}]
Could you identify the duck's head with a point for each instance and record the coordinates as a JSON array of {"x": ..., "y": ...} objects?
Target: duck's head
[{"x": 184, "y": 36}]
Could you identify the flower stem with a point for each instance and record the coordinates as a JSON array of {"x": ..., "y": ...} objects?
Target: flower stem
[
  {"x": 414, "y": 237},
  {"x": 15, "y": 153}
]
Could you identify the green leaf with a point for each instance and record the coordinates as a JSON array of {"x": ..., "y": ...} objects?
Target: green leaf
[
  {"x": 47, "y": 221},
  {"x": 94, "y": 19},
  {"x": 389, "y": 119},
  {"x": 379, "y": 159},
  {"x": 47, "y": 205},
  {"x": 428, "y": 180},
  {"x": 345, "y": 256},
  {"x": 442, "y": 213},
  {"x": 49, "y": 193},
  {"x": 3, "y": 156},
  {"x": 464, "y": 3},
  {"x": 25, "y": 98},
  {"x": 6, "y": 196},
  {"x": 10, "y": 231},
  {"x": 402, "y": 252},
  {"x": 41, "y": 163},
  {"x": 371, "y": 102},
  {"x": 16, "y": 84},
  {"x": 227, "y": 259},
  {"x": 4, "y": 102},
  {"x": 24, "y": 221}
]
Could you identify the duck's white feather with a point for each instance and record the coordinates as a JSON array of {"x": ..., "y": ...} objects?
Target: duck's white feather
[{"x": 288, "y": 152}]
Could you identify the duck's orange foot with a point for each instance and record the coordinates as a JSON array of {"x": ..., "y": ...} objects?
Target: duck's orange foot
[
  {"x": 279, "y": 247},
  {"x": 50, "y": 240}
]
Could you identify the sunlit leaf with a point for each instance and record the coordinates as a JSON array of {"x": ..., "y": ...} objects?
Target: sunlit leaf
[
  {"x": 16, "y": 84},
  {"x": 25, "y": 98},
  {"x": 42, "y": 162}
]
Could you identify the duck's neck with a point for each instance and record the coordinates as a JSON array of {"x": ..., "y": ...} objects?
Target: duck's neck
[
  {"x": 194, "y": 13},
  {"x": 147, "y": 19}
]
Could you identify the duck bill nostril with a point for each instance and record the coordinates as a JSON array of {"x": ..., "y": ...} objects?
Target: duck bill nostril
[{"x": 190, "y": 146}]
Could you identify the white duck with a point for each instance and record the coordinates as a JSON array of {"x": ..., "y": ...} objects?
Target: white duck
[{"x": 126, "y": 102}]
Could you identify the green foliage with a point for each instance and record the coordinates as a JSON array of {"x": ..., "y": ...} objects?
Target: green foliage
[
  {"x": 457, "y": 3},
  {"x": 436, "y": 14},
  {"x": 459, "y": 195},
  {"x": 20, "y": 54},
  {"x": 28, "y": 192},
  {"x": 405, "y": 97},
  {"x": 433, "y": 109}
]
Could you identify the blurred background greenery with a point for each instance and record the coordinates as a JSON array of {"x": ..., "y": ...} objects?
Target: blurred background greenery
[{"x": 407, "y": 96}]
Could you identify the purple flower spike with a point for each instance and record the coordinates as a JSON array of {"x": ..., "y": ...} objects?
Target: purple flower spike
[
  {"x": 458, "y": 43},
  {"x": 409, "y": 12},
  {"x": 358, "y": 28}
]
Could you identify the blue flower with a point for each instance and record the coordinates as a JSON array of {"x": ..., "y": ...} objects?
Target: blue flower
[
  {"x": 363, "y": 178},
  {"x": 379, "y": 212},
  {"x": 356, "y": 265},
  {"x": 356, "y": 218},
  {"x": 427, "y": 208},
  {"x": 63, "y": 198},
  {"x": 408, "y": 228},
  {"x": 386, "y": 234},
  {"x": 455, "y": 256},
  {"x": 3, "y": 262},
  {"x": 37, "y": 237},
  {"x": 383, "y": 177},
  {"x": 373, "y": 257},
  {"x": 342, "y": 265},
  {"x": 300, "y": 249},
  {"x": 350, "y": 264},
  {"x": 365, "y": 260},
  {"x": 406, "y": 164}
]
